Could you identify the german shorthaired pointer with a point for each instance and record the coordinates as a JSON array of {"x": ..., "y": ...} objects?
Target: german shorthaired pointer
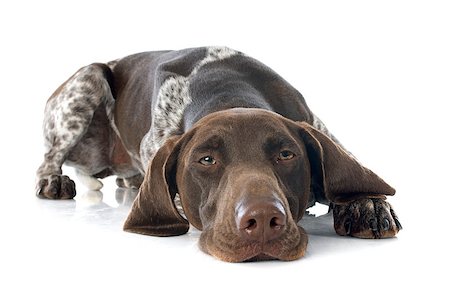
[{"x": 233, "y": 139}]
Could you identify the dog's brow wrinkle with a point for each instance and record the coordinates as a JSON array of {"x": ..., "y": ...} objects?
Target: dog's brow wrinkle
[
  {"x": 279, "y": 142},
  {"x": 214, "y": 142}
]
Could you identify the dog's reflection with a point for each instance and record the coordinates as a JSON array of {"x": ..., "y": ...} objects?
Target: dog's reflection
[
  {"x": 92, "y": 208},
  {"x": 123, "y": 196},
  {"x": 99, "y": 209}
]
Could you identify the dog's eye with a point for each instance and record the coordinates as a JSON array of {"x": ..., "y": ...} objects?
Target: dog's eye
[
  {"x": 207, "y": 160},
  {"x": 285, "y": 155}
]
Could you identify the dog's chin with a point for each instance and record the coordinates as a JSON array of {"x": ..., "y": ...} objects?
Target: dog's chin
[{"x": 238, "y": 251}]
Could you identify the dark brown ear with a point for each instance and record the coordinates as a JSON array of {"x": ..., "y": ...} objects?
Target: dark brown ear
[
  {"x": 340, "y": 175},
  {"x": 153, "y": 211}
]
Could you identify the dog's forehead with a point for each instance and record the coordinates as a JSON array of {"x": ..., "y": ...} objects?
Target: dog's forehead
[
  {"x": 240, "y": 128},
  {"x": 241, "y": 118}
]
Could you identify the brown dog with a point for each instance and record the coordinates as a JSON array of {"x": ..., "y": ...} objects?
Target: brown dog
[{"x": 231, "y": 137}]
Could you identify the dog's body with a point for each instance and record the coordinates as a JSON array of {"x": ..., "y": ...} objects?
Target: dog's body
[{"x": 146, "y": 115}]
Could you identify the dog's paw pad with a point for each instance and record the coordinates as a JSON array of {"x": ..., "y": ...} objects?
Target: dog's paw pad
[
  {"x": 366, "y": 218},
  {"x": 56, "y": 187}
]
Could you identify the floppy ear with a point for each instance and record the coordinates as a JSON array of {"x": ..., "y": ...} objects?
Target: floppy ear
[
  {"x": 340, "y": 175},
  {"x": 153, "y": 211}
]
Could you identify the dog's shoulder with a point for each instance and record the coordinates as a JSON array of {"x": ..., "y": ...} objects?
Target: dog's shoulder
[{"x": 183, "y": 62}]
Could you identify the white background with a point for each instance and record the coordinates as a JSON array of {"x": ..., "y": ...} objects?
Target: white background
[{"x": 376, "y": 72}]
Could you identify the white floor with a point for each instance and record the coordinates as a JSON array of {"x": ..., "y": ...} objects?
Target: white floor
[
  {"x": 79, "y": 244},
  {"x": 376, "y": 74}
]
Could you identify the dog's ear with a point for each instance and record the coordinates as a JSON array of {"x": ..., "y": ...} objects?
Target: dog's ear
[
  {"x": 341, "y": 177},
  {"x": 153, "y": 211}
]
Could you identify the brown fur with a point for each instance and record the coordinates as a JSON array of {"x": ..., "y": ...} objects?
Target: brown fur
[
  {"x": 244, "y": 143},
  {"x": 160, "y": 114}
]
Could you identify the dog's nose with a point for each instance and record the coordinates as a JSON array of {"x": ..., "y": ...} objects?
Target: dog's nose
[{"x": 261, "y": 220}]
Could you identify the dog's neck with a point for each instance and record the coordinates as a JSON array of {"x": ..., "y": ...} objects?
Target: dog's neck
[{"x": 229, "y": 92}]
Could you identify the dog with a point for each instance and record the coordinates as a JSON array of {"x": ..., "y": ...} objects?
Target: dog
[{"x": 229, "y": 136}]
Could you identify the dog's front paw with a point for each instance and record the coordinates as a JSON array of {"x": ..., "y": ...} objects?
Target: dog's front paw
[
  {"x": 56, "y": 187},
  {"x": 366, "y": 218}
]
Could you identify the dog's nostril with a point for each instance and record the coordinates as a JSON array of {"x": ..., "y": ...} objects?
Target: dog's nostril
[
  {"x": 261, "y": 220},
  {"x": 251, "y": 225},
  {"x": 276, "y": 223}
]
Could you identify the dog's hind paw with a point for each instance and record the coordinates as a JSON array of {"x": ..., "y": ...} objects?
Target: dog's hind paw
[
  {"x": 56, "y": 187},
  {"x": 366, "y": 218}
]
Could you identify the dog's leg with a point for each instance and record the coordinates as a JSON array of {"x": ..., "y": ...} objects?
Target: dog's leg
[
  {"x": 368, "y": 218},
  {"x": 90, "y": 182},
  {"x": 68, "y": 114}
]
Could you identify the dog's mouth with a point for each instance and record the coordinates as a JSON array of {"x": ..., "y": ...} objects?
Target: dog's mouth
[
  {"x": 228, "y": 247},
  {"x": 261, "y": 257}
]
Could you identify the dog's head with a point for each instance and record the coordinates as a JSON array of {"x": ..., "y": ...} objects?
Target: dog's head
[{"x": 244, "y": 177}]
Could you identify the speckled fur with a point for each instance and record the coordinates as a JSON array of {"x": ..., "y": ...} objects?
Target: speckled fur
[
  {"x": 173, "y": 97},
  {"x": 70, "y": 110},
  {"x": 68, "y": 114},
  {"x": 319, "y": 125},
  {"x": 153, "y": 93}
]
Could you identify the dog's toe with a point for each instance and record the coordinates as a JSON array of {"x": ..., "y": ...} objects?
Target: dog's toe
[
  {"x": 366, "y": 218},
  {"x": 56, "y": 187}
]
